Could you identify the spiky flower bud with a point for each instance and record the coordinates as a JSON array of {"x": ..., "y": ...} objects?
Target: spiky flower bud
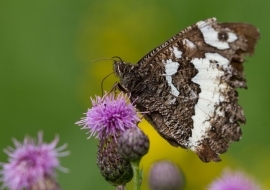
[
  {"x": 133, "y": 144},
  {"x": 164, "y": 175},
  {"x": 115, "y": 169}
]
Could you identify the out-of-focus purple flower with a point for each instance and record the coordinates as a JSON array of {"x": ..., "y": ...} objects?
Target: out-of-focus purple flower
[
  {"x": 31, "y": 162},
  {"x": 233, "y": 181},
  {"x": 165, "y": 175},
  {"x": 110, "y": 115}
]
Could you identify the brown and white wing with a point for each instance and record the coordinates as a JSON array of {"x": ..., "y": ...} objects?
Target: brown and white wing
[{"x": 188, "y": 86}]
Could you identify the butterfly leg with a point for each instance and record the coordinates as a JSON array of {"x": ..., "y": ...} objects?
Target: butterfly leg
[{"x": 118, "y": 86}]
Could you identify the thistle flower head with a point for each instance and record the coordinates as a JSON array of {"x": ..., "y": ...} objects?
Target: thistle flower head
[
  {"x": 30, "y": 162},
  {"x": 233, "y": 181},
  {"x": 110, "y": 115}
]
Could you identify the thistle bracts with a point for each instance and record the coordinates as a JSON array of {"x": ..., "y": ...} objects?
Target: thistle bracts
[
  {"x": 133, "y": 144},
  {"x": 113, "y": 167}
]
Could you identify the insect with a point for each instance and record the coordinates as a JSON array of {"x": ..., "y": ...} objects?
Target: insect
[{"x": 187, "y": 85}]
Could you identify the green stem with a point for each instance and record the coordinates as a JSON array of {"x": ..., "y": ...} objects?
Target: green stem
[
  {"x": 120, "y": 187},
  {"x": 136, "y": 174}
]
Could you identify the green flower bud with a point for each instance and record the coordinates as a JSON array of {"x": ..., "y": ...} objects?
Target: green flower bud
[
  {"x": 133, "y": 144},
  {"x": 115, "y": 169}
]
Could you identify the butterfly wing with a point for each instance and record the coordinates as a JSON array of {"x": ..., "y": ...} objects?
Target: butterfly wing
[{"x": 188, "y": 85}]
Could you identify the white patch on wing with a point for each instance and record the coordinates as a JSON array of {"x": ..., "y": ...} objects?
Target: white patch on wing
[
  {"x": 208, "y": 77},
  {"x": 170, "y": 69},
  {"x": 210, "y": 35},
  {"x": 177, "y": 53},
  {"x": 188, "y": 43}
]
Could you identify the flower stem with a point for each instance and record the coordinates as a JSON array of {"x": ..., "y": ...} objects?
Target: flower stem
[
  {"x": 136, "y": 174},
  {"x": 120, "y": 187}
]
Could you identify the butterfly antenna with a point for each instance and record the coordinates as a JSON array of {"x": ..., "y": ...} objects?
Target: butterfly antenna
[
  {"x": 102, "y": 59},
  {"x": 118, "y": 58},
  {"x": 108, "y": 74},
  {"x": 103, "y": 82}
]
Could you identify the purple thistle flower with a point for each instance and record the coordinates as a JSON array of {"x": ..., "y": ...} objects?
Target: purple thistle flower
[
  {"x": 31, "y": 162},
  {"x": 233, "y": 181},
  {"x": 110, "y": 115}
]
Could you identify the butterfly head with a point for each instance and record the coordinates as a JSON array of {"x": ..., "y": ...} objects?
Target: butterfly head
[
  {"x": 122, "y": 69},
  {"x": 119, "y": 68},
  {"x": 128, "y": 74}
]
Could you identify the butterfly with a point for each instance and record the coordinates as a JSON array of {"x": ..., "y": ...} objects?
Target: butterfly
[{"x": 187, "y": 86}]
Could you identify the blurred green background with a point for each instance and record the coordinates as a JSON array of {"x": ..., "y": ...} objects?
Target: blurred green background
[{"x": 46, "y": 77}]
